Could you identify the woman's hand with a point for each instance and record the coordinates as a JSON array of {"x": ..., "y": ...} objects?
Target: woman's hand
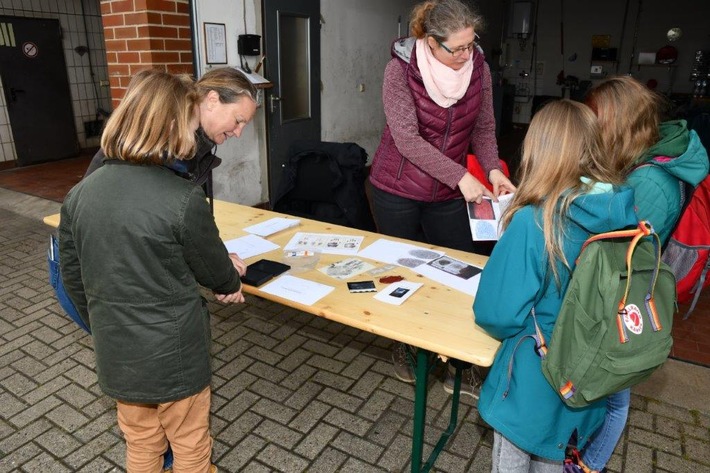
[
  {"x": 238, "y": 263},
  {"x": 473, "y": 190},
  {"x": 501, "y": 184},
  {"x": 230, "y": 298}
]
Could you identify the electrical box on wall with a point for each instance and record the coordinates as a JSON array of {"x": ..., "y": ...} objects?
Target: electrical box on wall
[{"x": 249, "y": 45}]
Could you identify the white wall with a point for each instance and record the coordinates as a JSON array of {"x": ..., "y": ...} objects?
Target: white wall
[
  {"x": 83, "y": 92},
  {"x": 242, "y": 176},
  {"x": 355, "y": 47},
  {"x": 355, "y": 40},
  {"x": 606, "y": 17}
]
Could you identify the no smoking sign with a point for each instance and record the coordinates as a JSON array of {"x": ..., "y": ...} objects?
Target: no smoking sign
[{"x": 30, "y": 49}]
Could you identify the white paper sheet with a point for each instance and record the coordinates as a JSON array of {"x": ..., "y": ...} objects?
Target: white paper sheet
[
  {"x": 484, "y": 218},
  {"x": 454, "y": 273},
  {"x": 249, "y": 245},
  {"x": 401, "y": 254},
  {"x": 271, "y": 226},
  {"x": 326, "y": 243},
  {"x": 296, "y": 289},
  {"x": 398, "y": 292}
]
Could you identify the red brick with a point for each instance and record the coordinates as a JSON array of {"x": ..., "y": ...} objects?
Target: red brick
[
  {"x": 127, "y": 58},
  {"x": 105, "y": 7},
  {"x": 125, "y": 32},
  {"x": 178, "y": 45},
  {"x": 182, "y": 7},
  {"x": 115, "y": 45},
  {"x": 185, "y": 33},
  {"x": 157, "y": 32},
  {"x": 112, "y": 20},
  {"x": 186, "y": 57},
  {"x": 118, "y": 70},
  {"x": 135, "y": 18},
  {"x": 121, "y": 6},
  {"x": 145, "y": 44},
  {"x": 162, "y": 57},
  {"x": 175, "y": 19}
]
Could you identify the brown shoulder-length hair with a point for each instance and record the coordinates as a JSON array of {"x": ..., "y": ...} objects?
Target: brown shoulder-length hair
[
  {"x": 629, "y": 116},
  {"x": 152, "y": 122},
  {"x": 561, "y": 146},
  {"x": 440, "y": 18}
]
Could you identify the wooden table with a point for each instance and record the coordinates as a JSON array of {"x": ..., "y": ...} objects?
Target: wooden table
[{"x": 436, "y": 319}]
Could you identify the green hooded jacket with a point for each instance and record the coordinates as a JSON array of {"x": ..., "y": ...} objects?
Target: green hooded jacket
[{"x": 678, "y": 156}]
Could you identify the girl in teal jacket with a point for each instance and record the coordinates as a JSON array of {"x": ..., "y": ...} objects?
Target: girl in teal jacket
[{"x": 567, "y": 193}]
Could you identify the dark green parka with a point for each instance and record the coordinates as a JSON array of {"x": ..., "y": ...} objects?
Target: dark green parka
[{"x": 135, "y": 243}]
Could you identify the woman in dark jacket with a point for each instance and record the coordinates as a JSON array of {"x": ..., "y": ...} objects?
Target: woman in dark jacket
[
  {"x": 227, "y": 102},
  {"x": 136, "y": 242}
]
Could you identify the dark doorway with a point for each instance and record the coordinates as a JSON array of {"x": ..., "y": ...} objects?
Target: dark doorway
[
  {"x": 34, "y": 78},
  {"x": 292, "y": 47}
]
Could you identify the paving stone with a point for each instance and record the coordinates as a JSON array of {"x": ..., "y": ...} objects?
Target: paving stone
[
  {"x": 240, "y": 455},
  {"x": 654, "y": 440},
  {"x": 316, "y": 441},
  {"x": 309, "y": 416},
  {"x": 282, "y": 460},
  {"x": 274, "y": 411},
  {"x": 357, "y": 447},
  {"x": 677, "y": 464},
  {"x": 697, "y": 450},
  {"x": 673, "y": 412},
  {"x": 329, "y": 461},
  {"x": 348, "y": 422},
  {"x": 67, "y": 417},
  {"x": 57, "y": 442},
  {"x": 236, "y": 430},
  {"x": 340, "y": 399}
]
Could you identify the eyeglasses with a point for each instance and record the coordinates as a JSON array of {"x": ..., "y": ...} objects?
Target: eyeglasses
[{"x": 458, "y": 51}]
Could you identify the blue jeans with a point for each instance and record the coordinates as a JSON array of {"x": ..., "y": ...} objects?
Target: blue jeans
[
  {"x": 438, "y": 223},
  {"x": 599, "y": 450},
  {"x": 507, "y": 458}
]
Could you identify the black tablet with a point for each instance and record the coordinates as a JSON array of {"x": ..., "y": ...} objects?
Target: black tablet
[{"x": 261, "y": 271}]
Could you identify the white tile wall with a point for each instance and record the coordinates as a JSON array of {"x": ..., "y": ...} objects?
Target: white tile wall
[{"x": 86, "y": 97}]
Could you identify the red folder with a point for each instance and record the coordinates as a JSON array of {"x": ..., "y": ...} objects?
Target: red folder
[{"x": 477, "y": 171}]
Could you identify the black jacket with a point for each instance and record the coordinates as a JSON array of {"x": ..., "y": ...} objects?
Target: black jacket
[{"x": 325, "y": 181}]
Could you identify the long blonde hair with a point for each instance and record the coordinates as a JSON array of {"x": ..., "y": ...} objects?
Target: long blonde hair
[
  {"x": 440, "y": 18},
  {"x": 152, "y": 122},
  {"x": 562, "y": 145},
  {"x": 629, "y": 115}
]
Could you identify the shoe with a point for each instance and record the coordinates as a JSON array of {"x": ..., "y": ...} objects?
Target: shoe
[
  {"x": 471, "y": 380},
  {"x": 400, "y": 362},
  {"x": 213, "y": 468}
]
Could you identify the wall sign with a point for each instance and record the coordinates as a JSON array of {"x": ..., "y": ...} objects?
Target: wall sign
[
  {"x": 30, "y": 49},
  {"x": 216, "y": 43}
]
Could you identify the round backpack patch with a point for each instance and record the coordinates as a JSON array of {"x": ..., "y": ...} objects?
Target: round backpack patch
[{"x": 633, "y": 319}]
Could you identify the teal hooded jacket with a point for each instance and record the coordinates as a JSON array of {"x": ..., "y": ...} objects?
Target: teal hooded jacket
[
  {"x": 521, "y": 404},
  {"x": 678, "y": 156}
]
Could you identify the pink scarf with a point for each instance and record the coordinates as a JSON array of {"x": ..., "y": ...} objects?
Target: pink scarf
[{"x": 444, "y": 85}]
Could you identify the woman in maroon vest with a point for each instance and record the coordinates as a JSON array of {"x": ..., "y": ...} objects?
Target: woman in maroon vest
[{"x": 438, "y": 105}]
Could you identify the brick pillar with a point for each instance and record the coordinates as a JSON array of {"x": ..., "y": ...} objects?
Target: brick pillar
[{"x": 144, "y": 34}]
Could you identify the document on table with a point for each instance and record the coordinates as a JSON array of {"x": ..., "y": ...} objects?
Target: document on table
[
  {"x": 401, "y": 254},
  {"x": 271, "y": 226},
  {"x": 484, "y": 218},
  {"x": 453, "y": 273},
  {"x": 326, "y": 243},
  {"x": 249, "y": 245},
  {"x": 296, "y": 289}
]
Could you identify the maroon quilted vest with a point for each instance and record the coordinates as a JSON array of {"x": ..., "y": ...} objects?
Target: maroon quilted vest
[{"x": 448, "y": 129}]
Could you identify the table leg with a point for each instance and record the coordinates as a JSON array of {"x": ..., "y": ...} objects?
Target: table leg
[{"x": 420, "y": 394}]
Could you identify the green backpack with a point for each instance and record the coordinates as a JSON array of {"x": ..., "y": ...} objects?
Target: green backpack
[{"x": 614, "y": 326}]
